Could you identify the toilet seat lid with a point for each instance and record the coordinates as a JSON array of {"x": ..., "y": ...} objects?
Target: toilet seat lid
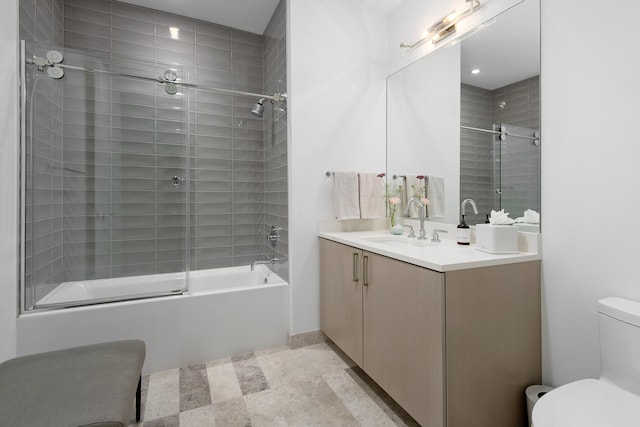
[{"x": 587, "y": 403}]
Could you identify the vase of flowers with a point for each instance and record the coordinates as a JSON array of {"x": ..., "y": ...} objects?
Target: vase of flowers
[{"x": 393, "y": 191}]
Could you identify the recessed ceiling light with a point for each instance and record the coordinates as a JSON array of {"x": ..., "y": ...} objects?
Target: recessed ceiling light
[{"x": 475, "y": 71}]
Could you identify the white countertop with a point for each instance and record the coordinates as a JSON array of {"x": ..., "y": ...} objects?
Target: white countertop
[{"x": 444, "y": 256}]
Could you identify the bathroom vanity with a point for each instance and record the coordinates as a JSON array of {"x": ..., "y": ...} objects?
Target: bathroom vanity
[{"x": 451, "y": 333}]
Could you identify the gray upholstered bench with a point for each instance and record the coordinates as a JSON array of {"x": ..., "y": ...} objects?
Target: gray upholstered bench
[{"x": 91, "y": 385}]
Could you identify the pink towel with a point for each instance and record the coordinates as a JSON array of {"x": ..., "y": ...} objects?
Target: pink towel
[{"x": 371, "y": 196}]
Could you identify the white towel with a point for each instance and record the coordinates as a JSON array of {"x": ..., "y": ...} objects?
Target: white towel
[
  {"x": 371, "y": 196},
  {"x": 345, "y": 195},
  {"x": 435, "y": 194},
  {"x": 411, "y": 180}
]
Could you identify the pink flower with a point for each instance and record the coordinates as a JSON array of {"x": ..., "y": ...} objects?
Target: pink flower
[
  {"x": 425, "y": 201},
  {"x": 420, "y": 176},
  {"x": 381, "y": 175},
  {"x": 394, "y": 200}
]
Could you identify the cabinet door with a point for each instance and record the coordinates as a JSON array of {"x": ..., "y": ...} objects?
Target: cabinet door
[
  {"x": 403, "y": 335},
  {"x": 493, "y": 343},
  {"x": 341, "y": 297}
]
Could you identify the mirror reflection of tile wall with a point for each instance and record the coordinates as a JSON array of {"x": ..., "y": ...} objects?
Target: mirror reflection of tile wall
[{"x": 517, "y": 104}]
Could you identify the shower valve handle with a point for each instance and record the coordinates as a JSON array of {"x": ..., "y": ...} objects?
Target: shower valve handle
[{"x": 176, "y": 181}]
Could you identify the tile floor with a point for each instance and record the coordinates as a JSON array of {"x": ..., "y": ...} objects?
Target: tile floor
[{"x": 308, "y": 386}]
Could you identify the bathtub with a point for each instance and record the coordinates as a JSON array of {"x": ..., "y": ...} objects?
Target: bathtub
[{"x": 225, "y": 312}]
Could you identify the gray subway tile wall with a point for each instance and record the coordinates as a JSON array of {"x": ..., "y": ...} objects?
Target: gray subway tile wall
[
  {"x": 137, "y": 144},
  {"x": 517, "y": 104},
  {"x": 275, "y": 135},
  {"x": 476, "y": 159},
  {"x": 41, "y": 26},
  {"x": 106, "y": 148}
]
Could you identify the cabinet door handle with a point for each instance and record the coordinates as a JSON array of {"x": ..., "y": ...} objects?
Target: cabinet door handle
[
  {"x": 355, "y": 268},
  {"x": 365, "y": 274}
]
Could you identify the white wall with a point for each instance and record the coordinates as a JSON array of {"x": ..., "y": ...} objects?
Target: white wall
[
  {"x": 8, "y": 179},
  {"x": 338, "y": 66},
  {"x": 590, "y": 175}
]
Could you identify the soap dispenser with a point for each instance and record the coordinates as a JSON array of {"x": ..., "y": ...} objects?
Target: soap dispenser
[{"x": 464, "y": 233}]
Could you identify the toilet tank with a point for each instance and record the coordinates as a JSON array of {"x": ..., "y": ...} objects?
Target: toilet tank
[{"x": 619, "y": 325}]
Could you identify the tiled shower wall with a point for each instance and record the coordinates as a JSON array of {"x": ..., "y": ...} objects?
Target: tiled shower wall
[
  {"x": 476, "y": 148},
  {"x": 228, "y": 154},
  {"x": 122, "y": 216},
  {"x": 517, "y": 104},
  {"x": 41, "y": 24},
  {"x": 520, "y": 159},
  {"x": 275, "y": 135}
]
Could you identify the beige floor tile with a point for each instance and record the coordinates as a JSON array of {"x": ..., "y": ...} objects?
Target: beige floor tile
[
  {"x": 200, "y": 417},
  {"x": 223, "y": 382},
  {"x": 232, "y": 413},
  {"x": 163, "y": 396},
  {"x": 297, "y": 404},
  {"x": 357, "y": 401},
  {"x": 300, "y": 364}
]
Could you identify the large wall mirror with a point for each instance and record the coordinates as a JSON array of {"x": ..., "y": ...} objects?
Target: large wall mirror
[{"x": 467, "y": 117}]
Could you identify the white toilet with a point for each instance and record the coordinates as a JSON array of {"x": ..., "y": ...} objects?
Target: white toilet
[{"x": 614, "y": 399}]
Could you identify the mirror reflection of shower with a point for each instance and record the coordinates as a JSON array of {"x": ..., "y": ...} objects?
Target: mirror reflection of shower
[{"x": 258, "y": 108}]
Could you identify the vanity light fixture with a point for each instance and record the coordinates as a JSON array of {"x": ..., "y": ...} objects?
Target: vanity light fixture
[{"x": 445, "y": 26}]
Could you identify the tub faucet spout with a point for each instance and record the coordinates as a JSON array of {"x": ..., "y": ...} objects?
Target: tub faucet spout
[
  {"x": 267, "y": 261},
  {"x": 262, "y": 261}
]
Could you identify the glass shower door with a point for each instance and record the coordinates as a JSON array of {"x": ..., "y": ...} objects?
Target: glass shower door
[
  {"x": 107, "y": 210},
  {"x": 517, "y": 170}
]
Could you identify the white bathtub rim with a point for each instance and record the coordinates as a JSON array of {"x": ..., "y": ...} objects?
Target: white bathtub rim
[{"x": 275, "y": 281}]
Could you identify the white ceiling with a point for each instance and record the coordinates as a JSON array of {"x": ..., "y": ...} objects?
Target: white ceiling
[
  {"x": 248, "y": 15},
  {"x": 506, "y": 51}
]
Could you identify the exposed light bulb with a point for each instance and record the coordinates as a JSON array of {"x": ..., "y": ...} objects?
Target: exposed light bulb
[{"x": 475, "y": 71}]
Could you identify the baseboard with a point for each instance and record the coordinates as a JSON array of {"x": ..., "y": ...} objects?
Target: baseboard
[{"x": 306, "y": 338}]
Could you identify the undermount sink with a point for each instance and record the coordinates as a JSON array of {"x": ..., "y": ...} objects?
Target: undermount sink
[{"x": 399, "y": 242}]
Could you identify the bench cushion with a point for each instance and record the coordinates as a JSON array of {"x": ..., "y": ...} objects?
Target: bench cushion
[{"x": 90, "y": 385}]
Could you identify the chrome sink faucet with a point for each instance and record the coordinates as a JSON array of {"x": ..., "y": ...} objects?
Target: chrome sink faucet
[
  {"x": 435, "y": 238},
  {"x": 472, "y": 203},
  {"x": 412, "y": 233},
  {"x": 414, "y": 200}
]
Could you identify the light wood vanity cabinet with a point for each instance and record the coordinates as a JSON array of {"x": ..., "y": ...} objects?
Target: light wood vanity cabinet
[
  {"x": 341, "y": 297},
  {"x": 454, "y": 349}
]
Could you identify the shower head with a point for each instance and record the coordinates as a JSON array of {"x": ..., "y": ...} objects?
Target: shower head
[{"x": 258, "y": 108}]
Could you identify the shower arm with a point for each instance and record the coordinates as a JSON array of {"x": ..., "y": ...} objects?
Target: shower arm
[{"x": 276, "y": 97}]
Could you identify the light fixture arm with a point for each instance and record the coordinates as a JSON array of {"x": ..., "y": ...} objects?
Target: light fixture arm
[{"x": 445, "y": 26}]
